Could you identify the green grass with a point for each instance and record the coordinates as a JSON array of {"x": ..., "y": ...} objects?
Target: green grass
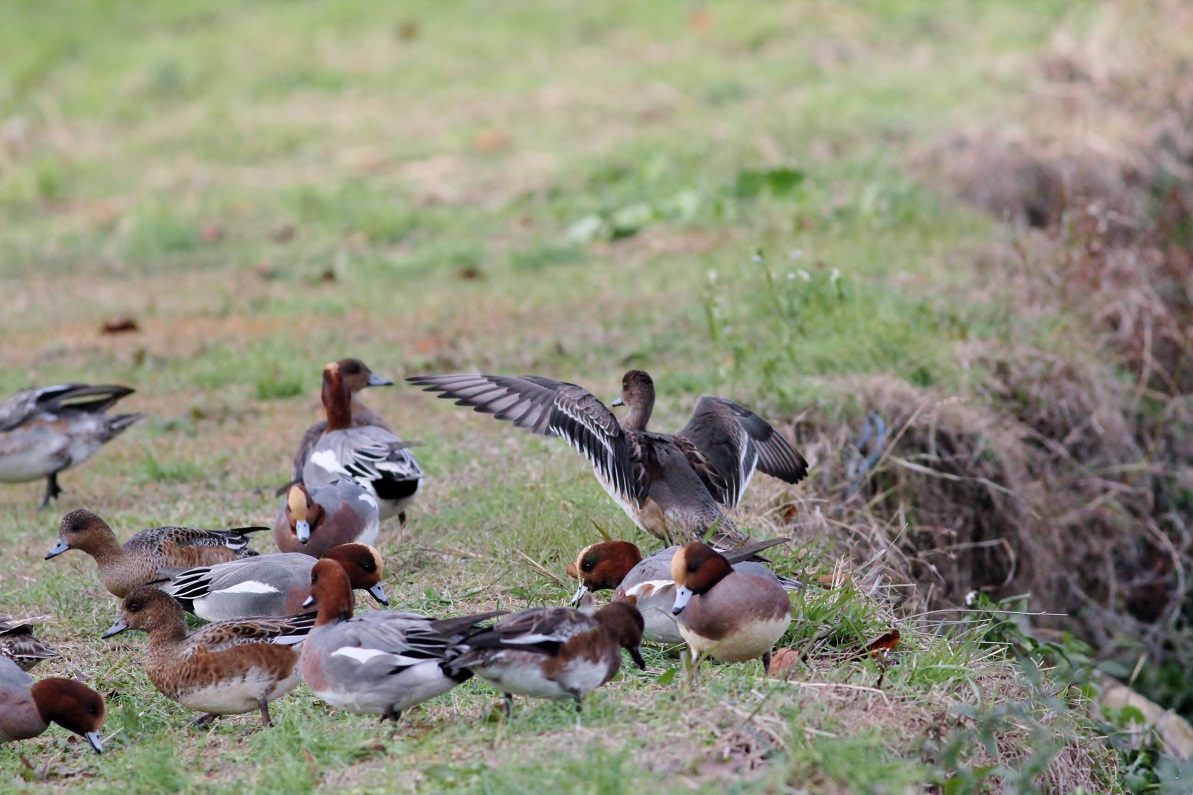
[{"x": 541, "y": 187}]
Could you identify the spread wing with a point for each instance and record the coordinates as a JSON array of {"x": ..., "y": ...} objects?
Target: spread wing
[
  {"x": 23, "y": 406},
  {"x": 549, "y": 408},
  {"x": 728, "y": 438}
]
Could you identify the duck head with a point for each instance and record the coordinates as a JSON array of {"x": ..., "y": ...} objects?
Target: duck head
[
  {"x": 696, "y": 568},
  {"x": 624, "y": 624},
  {"x": 147, "y": 609},
  {"x": 637, "y": 392},
  {"x": 73, "y": 706},
  {"x": 364, "y": 567},
  {"x": 358, "y": 376},
  {"x": 302, "y": 512},
  {"x": 602, "y": 567},
  {"x": 83, "y": 530}
]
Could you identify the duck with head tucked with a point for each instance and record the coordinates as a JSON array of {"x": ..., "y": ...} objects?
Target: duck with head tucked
[
  {"x": 226, "y": 668},
  {"x": 45, "y": 431},
  {"x": 647, "y": 584},
  {"x": 142, "y": 557},
  {"x": 553, "y": 652},
  {"x": 674, "y": 487},
  {"x": 726, "y": 614},
  {"x": 313, "y": 519},
  {"x": 270, "y": 585},
  {"x": 27, "y": 708},
  {"x": 371, "y": 455},
  {"x": 377, "y": 662}
]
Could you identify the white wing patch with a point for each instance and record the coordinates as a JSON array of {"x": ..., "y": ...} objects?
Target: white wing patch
[
  {"x": 250, "y": 586},
  {"x": 327, "y": 461},
  {"x": 360, "y": 655},
  {"x": 649, "y": 587}
]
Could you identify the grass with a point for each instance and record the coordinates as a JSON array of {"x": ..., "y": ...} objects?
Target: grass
[{"x": 556, "y": 188}]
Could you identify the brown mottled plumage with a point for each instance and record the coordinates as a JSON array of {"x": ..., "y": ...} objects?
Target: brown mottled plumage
[
  {"x": 18, "y": 644},
  {"x": 138, "y": 561},
  {"x": 224, "y": 668}
]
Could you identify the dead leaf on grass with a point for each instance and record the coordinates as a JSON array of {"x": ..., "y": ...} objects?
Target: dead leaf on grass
[{"x": 121, "y": 325}]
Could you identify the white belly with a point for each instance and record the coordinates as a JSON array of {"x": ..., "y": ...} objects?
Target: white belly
[
  {"x": 750, "y": 641},
  {"x": 401, "y": 691},
  {"x": 231, "y": 697}
]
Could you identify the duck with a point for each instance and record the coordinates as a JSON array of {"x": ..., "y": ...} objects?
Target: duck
[
  {"x": 726, "y": 614},
  {"x": 18, "y": 644},
  {"x": 138, "y": 561},
  {"x": 553, "y": 652},
  {"x": 313, "y": 519},
  {"x": 376, "y": 662},
  {"x": 46, "y": 430},
  {"x": 675, "y": 487},
  {"x": 646, "y": 582},
  {"x": 371, "y": 455},
  {"x": 358, "y": 377},
  {"x": 270, "y": 585},
  {"x": 225, "y": 668},
  {"x": 27, "y": 708}
]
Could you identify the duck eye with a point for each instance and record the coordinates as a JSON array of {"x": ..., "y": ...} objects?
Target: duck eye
[
  {"x": 692, "y": 567},
  {"x": 369, "y": 566}
]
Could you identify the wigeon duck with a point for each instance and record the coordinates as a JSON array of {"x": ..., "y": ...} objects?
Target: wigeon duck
[
  {"x": 647, "y": 584},
  {"x": 727, "y": 614},
  {"x": 554, "y": 652},
  {"x": 371, "y": 455},
  {"x": 18, "y": 644},
  {"x": 357, "y": 376},
  {"x": 44, "y": 431},
  {"x": 313, "y": 519},
  {"x": 674, "y": 487},
  {"x": 376, "y": 662},
  {"x": 225, "y": 668},
  {"x": 270, "y": 585},
  {"x": 27, "y": 708},
  {"x": 138, "y": 561}
]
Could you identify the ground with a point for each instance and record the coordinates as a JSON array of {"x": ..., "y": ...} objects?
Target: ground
[{"x": 723, "y": 198}]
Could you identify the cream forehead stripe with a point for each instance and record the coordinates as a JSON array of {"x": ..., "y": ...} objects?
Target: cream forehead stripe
[
  {"x": 679, "y": 563},
  {"x": 297, "y": 502}
]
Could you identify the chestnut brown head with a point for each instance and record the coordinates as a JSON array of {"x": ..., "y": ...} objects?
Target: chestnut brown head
[
  {"x": 602, "y": 567},
  {"x": 364, "y": 567},
  {"x": 73, "y": 706},
  {"x": 624, "y": 624},
  {"x": 357, "y": 375},
  {"x": 696, "y": 568},
  {"x": 149, "y": 609}
]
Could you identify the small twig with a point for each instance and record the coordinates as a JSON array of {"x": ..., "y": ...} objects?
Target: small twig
[{"x": 543, "y": 569}]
